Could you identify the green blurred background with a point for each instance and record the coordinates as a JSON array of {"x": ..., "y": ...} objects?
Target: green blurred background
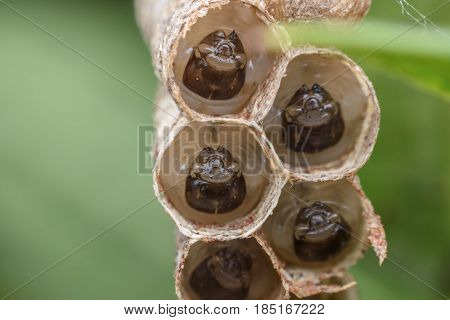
[{"x": 68, "y": 160}]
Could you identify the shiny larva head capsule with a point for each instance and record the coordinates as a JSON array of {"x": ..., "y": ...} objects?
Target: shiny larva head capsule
[
  {"x": 215, "y": 183},
  {"x": 216, "y": 69},
  {"x": 319, "y": 233},
  {"x": 312, "y": 120},
  {"x": 225, "y": 275}
]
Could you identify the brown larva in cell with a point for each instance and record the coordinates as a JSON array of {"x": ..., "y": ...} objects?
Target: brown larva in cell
[
  {"x": 319, "y": 233},
  {"x": 223, "y": 270},
  {"x": 323, "y": 118},
  {"x": 216, "y": 69},
  {"x": 319, "y": 229},
  {"x": 212, "y": 55},
  {"x": 217, "y": 180},
  {"x": 215, "y": 183},
  {"x": 224, "y": 275},
  {"x": 312, "y": 120}
]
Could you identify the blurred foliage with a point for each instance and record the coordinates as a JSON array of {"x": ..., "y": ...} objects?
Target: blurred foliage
[
  {"x": 417, "y": 53},
  {"x": 68, "y": 160},
  {"x": 430, "y": 74}
]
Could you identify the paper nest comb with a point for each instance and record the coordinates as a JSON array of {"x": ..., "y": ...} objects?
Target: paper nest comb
[{"x": 257, "y": 149}]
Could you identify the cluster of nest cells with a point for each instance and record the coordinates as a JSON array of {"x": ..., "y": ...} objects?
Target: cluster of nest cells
[{"x": 257, "y": 152}]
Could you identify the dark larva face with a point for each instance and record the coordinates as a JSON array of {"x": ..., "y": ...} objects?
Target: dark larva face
[
  {"x": 319, "y": 233},
  {"x": 215, "y": 183},
  {"x": 226, "y": 275},
  {"x": 216, "y": 69},
  {"x": 312, "y": 120}
]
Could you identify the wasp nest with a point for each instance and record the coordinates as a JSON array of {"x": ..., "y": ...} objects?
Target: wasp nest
[
  {"x": 342, "y": 287},
  {"x": 311, "y": 10},
  {"x": 257, "y": 149}
]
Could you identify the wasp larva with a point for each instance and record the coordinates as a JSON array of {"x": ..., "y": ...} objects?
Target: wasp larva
[
  {"x": 312, "y": 120},
  {"x": 215, "y": 183},
  {"x": 216, "y": 69},
  {"x": 225, "y": 275},
  {"x": 319, "y": 233}
]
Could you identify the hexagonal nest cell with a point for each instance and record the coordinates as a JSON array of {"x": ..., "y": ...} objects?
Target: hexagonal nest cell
[
  {"x": 217, "y": 181},
  {"x": 325, "y": 117},
  {"x": 237, "y": 270},
  {"x": 321, "y": 227},
  {"x": 222, "y": 59}
]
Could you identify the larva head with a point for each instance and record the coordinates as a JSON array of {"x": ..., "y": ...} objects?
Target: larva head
[
  {"x": 312, "y": 120},
  {"x": 215, "y": 183},
  {"x": 222, "y": 52},
  {"x": 319, "y": 233},
  {"x": 226, "y": 274},
  {"x": 216, "y": 69},
  {"x": 215, "y": 166},
  {"x": 311, "y": 107}
]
